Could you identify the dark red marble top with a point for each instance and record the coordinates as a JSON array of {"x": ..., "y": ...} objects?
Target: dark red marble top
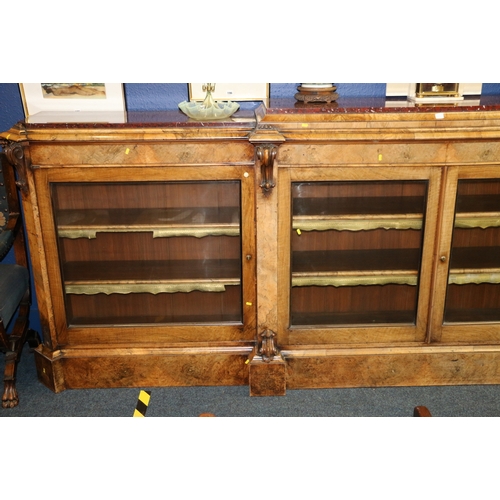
[
  {"x": 381, "y": 105},
  {"x": 136, "y": 119},
  {"x": 246, "y": 118}
]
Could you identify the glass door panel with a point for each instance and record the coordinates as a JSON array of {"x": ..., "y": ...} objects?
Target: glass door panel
[
  {"x": 356, "y": 252},
  {"x": 473, "y": 293},
  {"x": 152, "y": 252}
]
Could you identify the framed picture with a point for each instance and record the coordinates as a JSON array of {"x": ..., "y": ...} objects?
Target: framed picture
[
  {"x": 408, "y": 89},
  {"x": 67, "y": 98},
  {"x": 231, "y": 91}
]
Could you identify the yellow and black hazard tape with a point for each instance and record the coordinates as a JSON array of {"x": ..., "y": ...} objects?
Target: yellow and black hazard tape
[{"x": 142, "y": 404}]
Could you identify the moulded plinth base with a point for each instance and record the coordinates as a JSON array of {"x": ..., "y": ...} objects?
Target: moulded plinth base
[
  {"x": 141, "y": 367},
  {"x": 267, "y": 378}
]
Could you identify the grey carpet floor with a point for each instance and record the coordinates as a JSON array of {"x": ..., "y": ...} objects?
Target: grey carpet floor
[{"x": 456, "y": 401}]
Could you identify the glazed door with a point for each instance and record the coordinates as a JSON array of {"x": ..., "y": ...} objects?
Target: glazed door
[
  {"x": 358, "y": 254},
  {"x": 169, "y": 259},
  {"x": 467, "y": 306}
]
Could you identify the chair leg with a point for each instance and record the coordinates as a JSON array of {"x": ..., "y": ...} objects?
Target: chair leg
[
  {"x": 20, "y": 334},
  {"x": 10, "y": 398},
  {"x": 33, "y": 339}
]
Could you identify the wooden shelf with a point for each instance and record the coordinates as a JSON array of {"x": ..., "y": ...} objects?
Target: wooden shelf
[
  {"x": 478, "y": 203},
  {"x": 373, "y": 205},
  {"x": 356, "y": 214},
  {"x": 168, "y": 222},
  {"x": 466, "y": 276},
  {"x": 355, "y": 267},
  {"x": 326, "y": 320},
  {"x": 356, "y": 223},
  {"x": 136, "y": 320},
  {"x": 154, "y": 277},
  {"x": 356, "y": 279},
  {"x": 468, "y": 315},
  {"x": 478, "y": 211},
  {"x": 474, "y": 265},
  {"x": 477, "y": 219}
]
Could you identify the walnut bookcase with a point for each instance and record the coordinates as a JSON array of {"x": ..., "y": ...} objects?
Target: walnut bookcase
[{"x": 304, "y": 247}]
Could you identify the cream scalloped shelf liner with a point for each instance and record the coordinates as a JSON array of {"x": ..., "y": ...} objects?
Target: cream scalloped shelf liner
[
  {"x": 473, "y": 276},
  {"x": 163, "y": 223},
  {"x": 173, "y": 286},
  {"x": 163, "y": 232},
  {"x": 354, "y": 278},
  {"x": 482, "y": 220},
  {"x": 357, "y": 222}
]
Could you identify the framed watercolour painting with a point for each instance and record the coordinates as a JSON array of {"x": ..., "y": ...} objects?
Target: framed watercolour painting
[{"x": 68, "y": 98}]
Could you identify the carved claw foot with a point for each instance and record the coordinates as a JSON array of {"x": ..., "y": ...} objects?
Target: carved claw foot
[{"x": 10, "y": 399}]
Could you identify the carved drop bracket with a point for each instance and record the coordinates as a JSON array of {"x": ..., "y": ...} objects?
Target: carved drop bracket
[
  {"x": 266, "y": 140},
  {"x": 15, "y": 156},
  {"x": 266, "y": 154},
  {"x": 267, "y": 348}
]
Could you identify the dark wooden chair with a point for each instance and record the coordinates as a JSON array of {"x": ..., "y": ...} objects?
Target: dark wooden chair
[{"x": 15, "y": 293}]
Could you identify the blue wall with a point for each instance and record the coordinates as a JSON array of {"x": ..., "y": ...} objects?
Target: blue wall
[
  {"x": 163, "y": 96},
  {"x": 147, "y": 96}
]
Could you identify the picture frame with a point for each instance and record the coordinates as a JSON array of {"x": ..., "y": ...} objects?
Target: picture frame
[
  {"x": 231, "y": 91},
  {"x": 66, "y": 99},
  {"x": 408, "y": 89}
]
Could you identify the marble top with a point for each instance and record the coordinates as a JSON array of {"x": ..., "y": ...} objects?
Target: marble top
[
  {"x": 247, "y": 118},
  {"x": 381, "y": 105}
]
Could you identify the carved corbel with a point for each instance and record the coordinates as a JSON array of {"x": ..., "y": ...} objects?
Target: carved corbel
[
  {"x": 16, "y": 157},
  {"x": 266, "y": 154},
  {"x": 266, "y": 140},
  {"x": 267, "y": 348}
]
